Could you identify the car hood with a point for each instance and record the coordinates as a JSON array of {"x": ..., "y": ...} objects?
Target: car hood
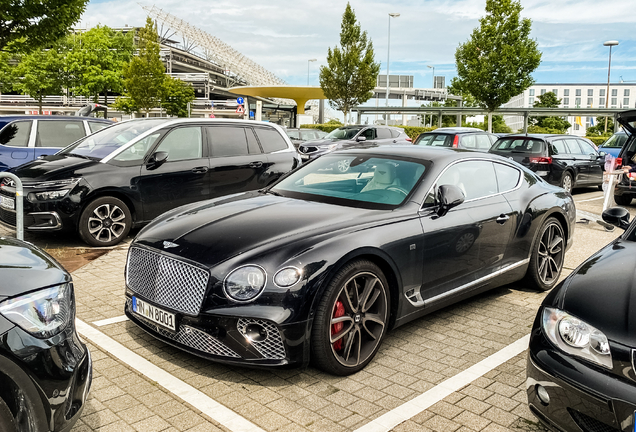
[
  {"x": 213, "y": 231},
  {"x": 51, "y": 167},
  {"x": 320, "y": 143},
  {"x": 602, "y": 292},
  {"x": 24, "y": 269}
]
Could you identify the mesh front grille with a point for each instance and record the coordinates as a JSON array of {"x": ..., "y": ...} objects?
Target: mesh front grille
[
  {"x": 7, "y": 216},
  {"x": 589, "y": 424},
  {"x": 166, "y": 281},
  {"x": 270, "y": 348}
]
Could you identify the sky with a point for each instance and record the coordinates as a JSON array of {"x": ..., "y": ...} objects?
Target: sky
[{"x": 283, "y": 35}]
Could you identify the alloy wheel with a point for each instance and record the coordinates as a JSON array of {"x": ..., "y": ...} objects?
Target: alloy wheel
[
  {"x": 358, "y": 319},
  {"x": 464, "y": 242},
  {"x": 107, "y": 222},
  {"x": 567, "y": 183},
  {"x": 550, "y": 253},
  {"x": 343, "y": 165}
]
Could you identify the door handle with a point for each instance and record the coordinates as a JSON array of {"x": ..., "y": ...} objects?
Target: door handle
[
  {"x": 502, "y": 219},
  {"x": 200, "y": 170},
  {"x": 256, "y": 164}
]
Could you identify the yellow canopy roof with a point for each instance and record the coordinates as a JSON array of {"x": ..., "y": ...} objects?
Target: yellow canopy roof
[{"x": 301, "y": 94}]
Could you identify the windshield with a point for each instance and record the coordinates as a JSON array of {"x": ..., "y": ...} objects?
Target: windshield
[
  {"x": 104, "y": 142},
  {"x": 615, "y": 141},
  {"x": 435, "y": 140},
  {"x": 369, "y": 182},
  {"x": 343, "y": 133}
]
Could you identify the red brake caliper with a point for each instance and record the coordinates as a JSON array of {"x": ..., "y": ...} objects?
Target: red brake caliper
[{"x": 338, "y": 311}]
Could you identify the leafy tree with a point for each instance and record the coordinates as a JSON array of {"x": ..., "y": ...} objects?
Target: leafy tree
[
  {"x": 496, "y": 62},
  {"x": 144, "y": 74},
  {"x": 599, "y": 127},
  {"x": 30, "y": 24},
  {"x": 351, "y": 73},
  {"x": 544, "y": 124},
  {"x": 175, "y": 96},
  {"x": 96, "y": 59},
  {"x": 39, "y": 74}
]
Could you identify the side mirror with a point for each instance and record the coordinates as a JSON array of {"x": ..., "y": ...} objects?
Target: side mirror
[
  {"x": 617, "y": 216},
  {"x": 361, "y": 138},
  {"x": 156, "y": 160},
  {"x": 602, "y": 154},
  {"x": 448, "y": 196}
]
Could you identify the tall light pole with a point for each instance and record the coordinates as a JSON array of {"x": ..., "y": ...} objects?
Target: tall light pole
[
  {"x": 308, "y": 63},
  {"x": 388, "y": 52},
  {"x": 432, "y": 67},
  {"x": 609, "y": 65}
]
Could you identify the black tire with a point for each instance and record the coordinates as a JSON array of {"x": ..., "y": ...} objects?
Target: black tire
[
  {"x": 105, "y": 222},
  {"x": 623, "y": 199},
  {"x": 548, "y": 254},
  {"x": 348, "y": 345},
  {"x": 567, "y": 181},
  {"x": 7, "y": 422}
]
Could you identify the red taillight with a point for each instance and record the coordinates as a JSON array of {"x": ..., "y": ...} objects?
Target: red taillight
[
  {"x": 409, "y": 139},
  {"x": 541, "y": 160},
  {"x": 619, "y": 162},
  {"x": 456, "y": 141}
]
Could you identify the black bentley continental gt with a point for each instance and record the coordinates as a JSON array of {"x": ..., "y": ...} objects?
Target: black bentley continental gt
[
  {"x": 45, "y": 369},
  {"x": 582, "y": 358},
  {"x": 321, "y": 264}
]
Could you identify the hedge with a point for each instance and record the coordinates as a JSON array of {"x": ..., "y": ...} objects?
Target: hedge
[
  {"x": 411, "y": 131},
  {"x": 598, "y": 140}
]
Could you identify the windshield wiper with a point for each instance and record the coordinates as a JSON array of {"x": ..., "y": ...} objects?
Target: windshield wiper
[
  {"x": 269, "y": 191},
  {"x": 80, "y": 156}
]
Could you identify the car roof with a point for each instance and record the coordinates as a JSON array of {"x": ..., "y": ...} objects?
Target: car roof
[
  {"x": 424, "y": 153},
  {"x": 455, "y": 130},
  {"x": 11, "y": 117},
  {"x": 545, "y": 137}
]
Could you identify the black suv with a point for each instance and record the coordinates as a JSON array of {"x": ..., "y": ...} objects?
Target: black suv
[
  {"x": 354, "y": 136},
  {"x": 128, "y": 174},
  {"x": 563, "y": 160},
  {"x": 457, "y": 137},
  {"x": 45, "y": 368},
  {"x": 625, "y": 190}
]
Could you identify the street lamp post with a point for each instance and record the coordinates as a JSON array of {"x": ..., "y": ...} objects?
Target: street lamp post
[
  {"x": 432, "y": 67},
  {"x": 308, "y": 63},
  {"x": 609, "y": 65},
  {"x": 388, "y": 52}
]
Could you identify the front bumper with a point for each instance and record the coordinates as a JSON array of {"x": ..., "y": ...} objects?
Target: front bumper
[
  {"x": 582, "y": 397},
  {"x": 45, "y": 382},
  {"x": 224, "y": 338},
  {"x": 54, "y": 215}
]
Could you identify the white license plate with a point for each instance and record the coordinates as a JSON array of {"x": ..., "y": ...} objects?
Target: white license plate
[
  {"x": 304, "y": 157},
  {"x": 153, "y": 313},
  {"x": 8, "y": 203}
]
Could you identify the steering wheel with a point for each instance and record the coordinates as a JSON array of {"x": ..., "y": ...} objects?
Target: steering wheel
[{"x": 398, "y": 189}]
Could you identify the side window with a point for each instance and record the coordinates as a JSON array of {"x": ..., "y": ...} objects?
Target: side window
[
  {"x": 558, "y": 147},
  {"x": 468, "y": 141},
  {"x": 252, "y": 144},
  {"x": 369, "y": 133},
  {"x": 507, "y": 177},
  {"x": 137, "y": 151},
  {"x": 383, "y": 133},
  {"x": 394, "y": 133},
  {"x": 95, "y": 126},
  {"x": 587, "y": 148},
  {"x": 16, "y": 134},
  {"x": 270, "y": 140},
  {"x": 58, "y": 133},
  {"x": 293, "y": 134},
  {"x": 463, "y": 176},
  {"x": 574, "y": 146},
  {"x": 483, "y": 141},
  {"x": 228, "y": 141},
  {"x": 182, "y": 144}
]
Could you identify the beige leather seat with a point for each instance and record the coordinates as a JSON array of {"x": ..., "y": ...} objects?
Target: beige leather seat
[{"x": 383, "y": 178}]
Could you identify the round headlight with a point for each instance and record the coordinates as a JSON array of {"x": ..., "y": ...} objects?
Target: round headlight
[
  {"x": 574, "y": 332},
  {"x": 287, "y": 277},
  {"x": 245, "y": 283}
]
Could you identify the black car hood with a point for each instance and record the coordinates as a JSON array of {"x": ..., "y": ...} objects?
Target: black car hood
[
  {"x": 628, "y": 120},
  {"x": 24, "y": 268},
  {"x": 52, "y": 167},
  {"x": 214, "y": 231},
  {"x": 603, "y": 292}
]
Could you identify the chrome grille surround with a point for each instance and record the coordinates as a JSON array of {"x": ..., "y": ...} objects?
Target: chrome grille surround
[
  {"x": 166, "y": 281},
  {"x": 272, "y": 347}
]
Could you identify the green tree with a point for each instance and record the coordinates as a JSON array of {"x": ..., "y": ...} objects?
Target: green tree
[
  {"x": 175, "y": 96},
  {"x": 599, "y": 127},
  {"x": 39, "y": 74},
  {"x": 31, "y": 24},
  {"x": 351, "y": 72},
  {"x": 144, "y": 74},
  {"x": 545, "y": 124},
  {"x": 496, "y": 63},
  {"x": 96, "y": 60}
]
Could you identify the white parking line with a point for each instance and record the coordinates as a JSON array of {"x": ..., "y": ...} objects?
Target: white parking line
[
  {"x": 591, "y": 199},
  {"x": 391, "y": 419},
  {"x": 107, "y": 321},
  {"x": 189, "y": 394}
]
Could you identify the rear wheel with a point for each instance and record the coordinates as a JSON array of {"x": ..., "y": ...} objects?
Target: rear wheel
[
  {"x": 7, "y": 422},
  {"x": 351, "y": 319},
  {"x": 105, "y": 222},
  {"x": 547, "y": 257},
  {"x": 623, "y": 199},
  {"x": 567, "y": 182}
]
